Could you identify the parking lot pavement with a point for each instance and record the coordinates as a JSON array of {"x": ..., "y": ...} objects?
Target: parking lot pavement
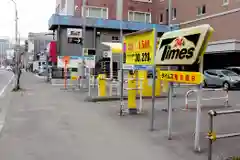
[
  {"x": 44, "y": 122},
  {"x": 184, "y": 126},
  {"x": 184, "y": 123}
]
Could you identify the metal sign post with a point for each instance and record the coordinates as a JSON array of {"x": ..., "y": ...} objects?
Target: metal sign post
[
  {"x": 170, "y": 109},
  {"x": 119, "y": 13},
  {"x": 89, "y": 82},
  {"x": 154, "y": 83},
  {"x": 111, "y": 72},
  {"x": 190, "y": 45},
  {"x": 198, "y": 113},
  {"x": 139, "y": 50}
]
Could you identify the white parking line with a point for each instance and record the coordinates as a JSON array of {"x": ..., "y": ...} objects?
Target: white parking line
[{"x": 5, "y": 87}]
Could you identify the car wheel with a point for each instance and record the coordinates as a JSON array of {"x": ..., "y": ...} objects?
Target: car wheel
[{"x": 226, "y": 86}]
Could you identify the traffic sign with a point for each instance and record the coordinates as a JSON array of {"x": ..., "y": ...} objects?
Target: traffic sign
[
  {"x": 90, "y": 61},
  {"x": 139, "y": 47},
  {"x": 182, "y": 77}
]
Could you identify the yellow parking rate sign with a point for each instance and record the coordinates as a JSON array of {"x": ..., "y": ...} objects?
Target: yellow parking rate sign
[
  {"x": 182, "y": 77},
  {"x": 139, "y": 47}
]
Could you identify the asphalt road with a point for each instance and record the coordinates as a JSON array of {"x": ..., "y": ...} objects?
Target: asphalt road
[{"x": 5, "y": 77}]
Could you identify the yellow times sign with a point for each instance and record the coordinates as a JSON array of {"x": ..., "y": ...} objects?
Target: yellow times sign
[
  {"x": 139, "y": 47},
  {"x": 182, "y": 77}
]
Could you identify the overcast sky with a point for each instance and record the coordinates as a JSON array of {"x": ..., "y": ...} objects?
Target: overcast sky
[{"x": 33, "y": 16}]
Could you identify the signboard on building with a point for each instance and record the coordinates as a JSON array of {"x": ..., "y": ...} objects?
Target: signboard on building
[
  {"x": 74, "y": 35},
  {"x": 89, "y": 61},
  {"x": 74, "y": 61}
]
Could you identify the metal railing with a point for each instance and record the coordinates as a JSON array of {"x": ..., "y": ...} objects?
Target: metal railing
[
  {"x": 212, "y": 136},
  {"x": 206, "y": 99}
]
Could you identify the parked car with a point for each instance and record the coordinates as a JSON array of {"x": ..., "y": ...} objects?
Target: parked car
[
  {"x": 9, "y": 68},
  {"x": 234, "y": 69},
  {"x": 42, "y": 70},
  {"x": 221, "y": 78}
]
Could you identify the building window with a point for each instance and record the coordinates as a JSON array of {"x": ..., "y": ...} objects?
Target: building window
[
  {"x": 115, "y": 39},
  {"x": 201, "y": 10},
  {"x": 174, "y": 13},
  {"x": 161, "y": 18},
  {"x": 96, "y": 12},
  {"x": 139, "y": 16},
  {"x": 225, "y": 2}
]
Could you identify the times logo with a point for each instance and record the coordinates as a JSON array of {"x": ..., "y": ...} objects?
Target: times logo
[{"x": 179, "y": 48}]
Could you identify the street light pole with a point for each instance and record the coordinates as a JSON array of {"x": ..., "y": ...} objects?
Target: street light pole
[
  {"x": 80, "y": 81},
  {"x": 17, "y": 44},
  {"x": 16, "y": 22}
]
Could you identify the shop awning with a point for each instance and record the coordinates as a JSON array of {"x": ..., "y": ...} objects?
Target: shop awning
[{"x": 116, "y": 48}]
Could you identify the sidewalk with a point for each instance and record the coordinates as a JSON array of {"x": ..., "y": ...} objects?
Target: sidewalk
[{"x": 44, "y": 123}]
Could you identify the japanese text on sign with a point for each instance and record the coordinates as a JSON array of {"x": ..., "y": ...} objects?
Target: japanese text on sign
[
  {"x": 139, "y": 48},
  {"x": 182, "y": 77}
]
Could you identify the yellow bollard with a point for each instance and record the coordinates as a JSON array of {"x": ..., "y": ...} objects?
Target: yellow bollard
[
  {"x": 165, "y": 86},
  {"x": 147, "y": 89},
  {"x": 132, "y": 93},
  {"x": 74, "y": 76},
  {"x": 102, "y": 85},
  {"x": 147, "y": 83}
]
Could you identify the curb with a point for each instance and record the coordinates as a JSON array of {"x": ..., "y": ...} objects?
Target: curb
[{"x": 115, "y": 98}]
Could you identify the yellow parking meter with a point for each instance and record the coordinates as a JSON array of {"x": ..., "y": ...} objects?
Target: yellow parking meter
[
  {"x": 132, "y": 92},
  {"x": 102, "y": 85}
]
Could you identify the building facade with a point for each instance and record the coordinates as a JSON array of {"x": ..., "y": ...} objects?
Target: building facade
[
  {"x": 37, "y": 43},
  {"x": 4, "y": 46},
  {"x": 147, "y": 11},
  {"x": 222, "y": 15}
]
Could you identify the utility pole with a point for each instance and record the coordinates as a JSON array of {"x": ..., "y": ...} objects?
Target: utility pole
[
  {"x": 119, "y": 14},
  {"x": 17, "y": 49},
  {"x": 81, "y": 82},
  {"x": 16, "y": 24},
  {"x": 84, "y": 23}
]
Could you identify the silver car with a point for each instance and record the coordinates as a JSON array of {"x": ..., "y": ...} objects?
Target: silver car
[{"x": 221, "y": 78}]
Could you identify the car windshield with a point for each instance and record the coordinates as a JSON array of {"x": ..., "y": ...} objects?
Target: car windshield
[{"x": 229, "y": 73}]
